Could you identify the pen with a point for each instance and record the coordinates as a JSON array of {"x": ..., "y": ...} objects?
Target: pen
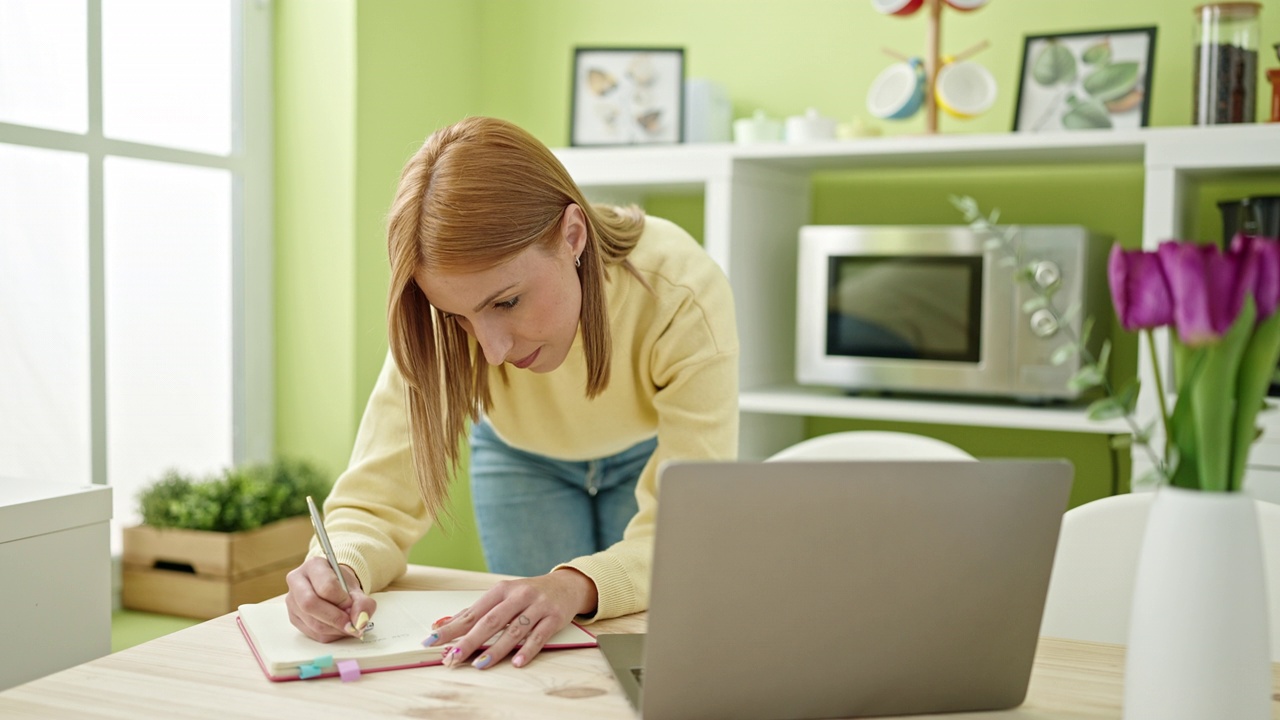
[{"x": 318, "y": 523}]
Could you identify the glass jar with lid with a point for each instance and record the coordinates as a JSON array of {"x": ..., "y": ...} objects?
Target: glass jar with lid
[{"x": 1226, "y": 80}]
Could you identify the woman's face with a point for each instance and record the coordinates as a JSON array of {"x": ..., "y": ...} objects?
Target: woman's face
[{"x": 523, "y": 312}]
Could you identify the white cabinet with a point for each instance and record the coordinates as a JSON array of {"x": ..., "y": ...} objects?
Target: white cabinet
[
  {"x": 758, "y": 196},
  {"x": 55, "y": 566}
]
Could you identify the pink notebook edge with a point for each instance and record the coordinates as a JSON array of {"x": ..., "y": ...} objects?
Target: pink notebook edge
[{"x": 244, "y": 632}]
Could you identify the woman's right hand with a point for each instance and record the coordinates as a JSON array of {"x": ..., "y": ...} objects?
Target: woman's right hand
[{"x": 318, "y": 606}]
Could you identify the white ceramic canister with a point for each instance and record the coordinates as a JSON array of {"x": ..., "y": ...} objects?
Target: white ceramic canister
[
  {"x": 756, "y": 129},
  {"x": 810, "y": 127}
]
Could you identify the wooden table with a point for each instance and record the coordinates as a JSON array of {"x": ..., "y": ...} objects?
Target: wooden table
[{"x": 206, "y": 671}]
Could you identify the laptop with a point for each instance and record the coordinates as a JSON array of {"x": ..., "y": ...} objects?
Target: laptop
[{"x": 843, "y": 589}]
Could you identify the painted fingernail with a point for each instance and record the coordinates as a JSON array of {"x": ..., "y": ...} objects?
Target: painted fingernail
[
  {"x": 441, "y": 621},
  {"x": 361, "y": 621},
  {"x": 518, "y": 661},
  {"x": 432, "y": 639},
  {"x": 482, "y": 662},
  {"x": 349, "y": 629}
]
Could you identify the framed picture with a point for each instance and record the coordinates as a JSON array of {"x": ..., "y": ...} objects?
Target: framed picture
[
  {"x": 627, "y": 96},
  {"x": 1092, "y": 80}
]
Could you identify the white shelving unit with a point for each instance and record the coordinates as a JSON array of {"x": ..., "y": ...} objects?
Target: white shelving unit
[{"x": 758, "y": 196}]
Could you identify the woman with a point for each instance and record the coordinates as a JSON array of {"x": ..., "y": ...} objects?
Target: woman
[{"x": 584, "y": 344}]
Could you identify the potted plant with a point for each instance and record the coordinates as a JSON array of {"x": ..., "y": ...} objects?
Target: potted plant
[
  {"x": 1198, "y": 637},
  {"x": 207, "y": 545}
]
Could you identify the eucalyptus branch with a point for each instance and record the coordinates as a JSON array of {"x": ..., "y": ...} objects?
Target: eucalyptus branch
[{"x": 1003, "y": 241}]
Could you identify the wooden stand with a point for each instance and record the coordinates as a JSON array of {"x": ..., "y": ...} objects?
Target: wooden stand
[
  {"x": 201, "y": 574},
  {"x": 933, "y": 61},
  {"x": 933, "y": 41}
]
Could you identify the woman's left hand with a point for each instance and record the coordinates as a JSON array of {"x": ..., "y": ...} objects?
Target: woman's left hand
[{"x": 527, "y": 612}]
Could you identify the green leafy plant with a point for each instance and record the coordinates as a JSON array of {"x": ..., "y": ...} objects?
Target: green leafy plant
[
  {"x": 242, "y": 498},
  {"x": 1221, "y": 310},
  {"x": 1115, "y": 402}
]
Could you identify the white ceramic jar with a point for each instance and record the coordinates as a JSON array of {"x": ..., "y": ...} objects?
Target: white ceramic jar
[{"x": 810, "y": 127}]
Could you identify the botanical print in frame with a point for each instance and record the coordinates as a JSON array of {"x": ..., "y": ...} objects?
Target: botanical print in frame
[
  {"x": 1094, "y": 80},
  {"x": 627, "y": 96}
]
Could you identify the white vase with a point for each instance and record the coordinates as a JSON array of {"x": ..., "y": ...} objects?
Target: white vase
[{"x": 1198, "y": 634}]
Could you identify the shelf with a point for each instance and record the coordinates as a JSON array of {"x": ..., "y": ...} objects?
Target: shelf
[
  {"x": 822, "y": 402},
  {"x": 953, "y": 151},
  {"x": 654, "y": 167},
  {"x": 758, "y": 196},
  {"x": 685, "y": 167}
]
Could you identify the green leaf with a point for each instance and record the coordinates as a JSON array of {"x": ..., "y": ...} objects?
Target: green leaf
[
  {"x": 1063, "y": 353},
  {"x": 966, "y": 205},
  {"x": 1098, "y": 53},
  {"x": 1214, "y": 403},
  {"x": 1111, "y": 81},
  {"x": 1253, "y": 379},
  {"x": 992, "y": 244},
  {"x": 1054, "y": 64},
  {"x": 1035, "y": 303},
  {"x": 1147, "y": 479},
  {"x": 1122, "y": 442},
  {"x": 1085, "y": 378},
  {"x": 1128, "y": 397},
  {"x": 1068, "y": 316},
  {"x": 1087, "y": 114},
  {"x": 1105, "y": 409},
  {"x": 1144, "y": 434},
  {"x": 1086, "y": 330},
  {"x": 1104, "y": 356}
]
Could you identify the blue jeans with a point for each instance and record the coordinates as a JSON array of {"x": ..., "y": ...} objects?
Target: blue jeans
[{"x": 536, "y": 512}]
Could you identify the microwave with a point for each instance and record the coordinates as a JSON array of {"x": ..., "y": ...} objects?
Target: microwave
[{"x": 935, "y": 310}]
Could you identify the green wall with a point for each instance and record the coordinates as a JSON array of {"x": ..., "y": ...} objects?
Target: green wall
[
  {"x": 315, "y": 140},
  {"x": 785, "y": 55},
  {"x": 359, "y": 85}
]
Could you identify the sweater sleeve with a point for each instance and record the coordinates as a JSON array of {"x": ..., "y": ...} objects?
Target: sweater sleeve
[
  {"x": 374, "y": 513},
  {"x": 695, "y": 376}
]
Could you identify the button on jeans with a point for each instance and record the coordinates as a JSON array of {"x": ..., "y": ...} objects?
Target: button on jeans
[{"x": 536, "y": 512}]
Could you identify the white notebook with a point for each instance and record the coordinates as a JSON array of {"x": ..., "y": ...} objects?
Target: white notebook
[{"x": 394, "y": 641}]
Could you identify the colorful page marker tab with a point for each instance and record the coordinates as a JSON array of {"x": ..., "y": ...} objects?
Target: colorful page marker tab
[
  {"x": 323, "y": 661},
  {"x": 306, "y": 672},
  {"x": 349, "y": 670}
]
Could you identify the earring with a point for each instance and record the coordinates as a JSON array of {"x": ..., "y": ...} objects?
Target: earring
[{"x": 577, "y": 261}]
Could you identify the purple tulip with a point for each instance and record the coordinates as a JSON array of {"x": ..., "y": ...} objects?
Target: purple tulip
[
  {"x": 1208, "y": 288},
  {"x": 1139, "y": 290},
  {"x": 1264, "y": 253}
]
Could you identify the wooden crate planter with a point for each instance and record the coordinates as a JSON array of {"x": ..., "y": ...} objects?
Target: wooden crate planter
[{"x": 201, "y": 574}]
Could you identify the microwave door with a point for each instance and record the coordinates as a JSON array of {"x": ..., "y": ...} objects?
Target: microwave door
[{"x": 911, "y": 308}]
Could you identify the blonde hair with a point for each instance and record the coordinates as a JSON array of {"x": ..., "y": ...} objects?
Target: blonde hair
[{"x": 476, "y": 194}]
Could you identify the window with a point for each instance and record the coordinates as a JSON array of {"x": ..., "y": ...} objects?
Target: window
[{"x": 134, "y": 240}]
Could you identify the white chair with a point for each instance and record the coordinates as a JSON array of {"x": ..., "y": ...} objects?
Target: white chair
[
  {"x": 872, "y": 445},
  {"x": 1091, "y": 588}
]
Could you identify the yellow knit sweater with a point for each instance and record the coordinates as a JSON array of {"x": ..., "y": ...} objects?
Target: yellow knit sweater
[{"x": 674, "y": 375}]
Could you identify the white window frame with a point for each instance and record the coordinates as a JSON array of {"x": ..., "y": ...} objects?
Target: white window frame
[{"x": 250, "y": 164}]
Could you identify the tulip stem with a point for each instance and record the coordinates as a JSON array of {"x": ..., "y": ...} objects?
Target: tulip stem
[{"x": 1159, "y": 389}]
